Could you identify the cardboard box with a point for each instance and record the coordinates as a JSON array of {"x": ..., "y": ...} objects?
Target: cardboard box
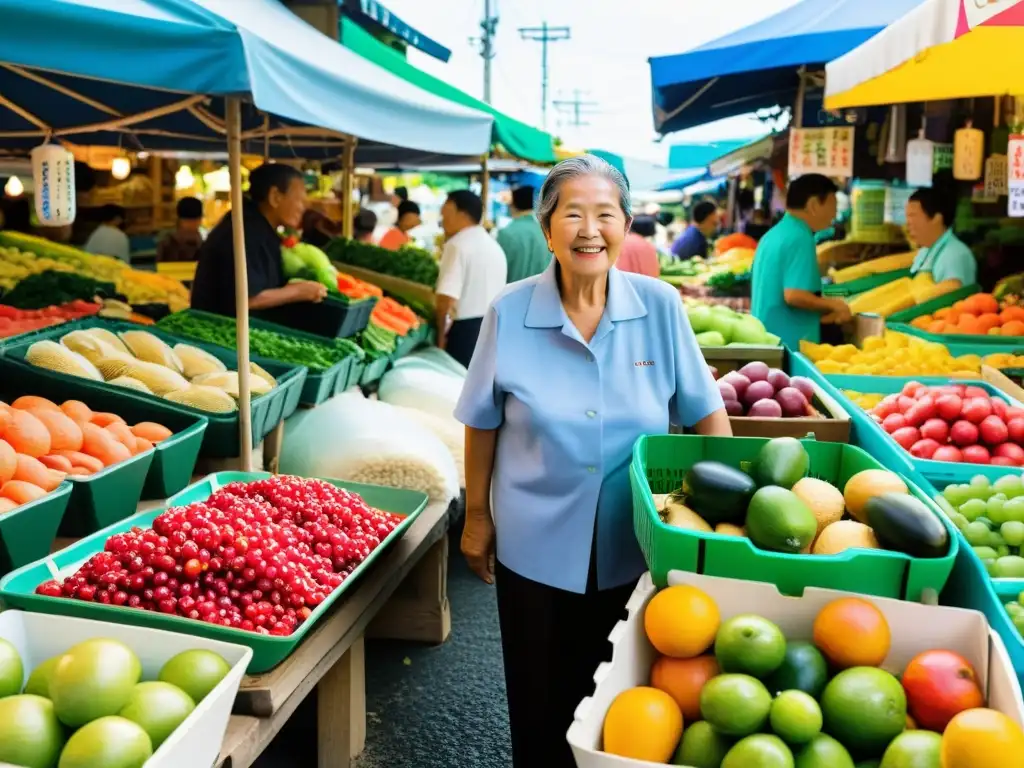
[{"x": 915, "y": 628}]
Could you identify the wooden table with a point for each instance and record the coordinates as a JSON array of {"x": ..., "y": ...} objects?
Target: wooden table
[{"x": 403, "y": 596}]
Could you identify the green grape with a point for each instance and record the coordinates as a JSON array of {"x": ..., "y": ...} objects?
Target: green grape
[
  {"x": 990, "y": 566},
  {"x": 972, "y": 509},
  {"x": 986, "y": 522},
  {"x": 983, "y": 551},
  {"x": 956, "y": 494},
  {"x": 977, "y": 534},
  {"x": 994, "y": 509},
  {"x": 944, "y": 505},
  {"x": 1014, "y": 509},
  {"x": 1013, "y": 533},
  {"x": 959, "y": 521},
  {"x": 1014, "y": 609},
  {"x": 1020, "y": 599},
  {"x": 1010, "y": 485},
  {"x": 1002, "y": 550},
  {"x": 1018, "y": 622}
]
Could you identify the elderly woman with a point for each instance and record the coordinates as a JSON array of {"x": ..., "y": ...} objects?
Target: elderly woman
[{"x": 571, "y": 367}]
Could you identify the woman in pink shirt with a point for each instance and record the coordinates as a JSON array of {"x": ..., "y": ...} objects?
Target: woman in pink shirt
[{"x": 639, "y": 254}]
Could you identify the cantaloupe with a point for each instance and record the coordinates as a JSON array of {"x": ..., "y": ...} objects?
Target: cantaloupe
[
  {"x": 55, "y": 357},
  {"x": 129, "y": 383},
  {"x": 110, "y": 338},
  {"x": 867, "y": 483},
  {"x": 159, "y": 379},
  {"x": 208, "y": 399},
  {"x": 823, "y": 499},
  {"x": 843, "y": 535},
  {"x": 152, "y": 349},
  {"x": 196, "y": 361},
  {"x": 92, "y": 348}
]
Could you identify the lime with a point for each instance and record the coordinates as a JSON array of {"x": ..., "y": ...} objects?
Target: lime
[
  {"x": 39, "y": 681},
  {"x": 12, "y": 672},
  {"x": 803, "y": 669},
  {"x": 701, "y": 747},
  {"x": 762, "y": 750},
  {"x": 736, "y": 705},
  {"x": 864, "y": 708},
  {"x": 823, "y": 752},
  {"x": 913, "y": 749},
  {"x": 750, "y": 645},
  {"x": 196, "y": 672},
  {"x": 795, "y": 717}
]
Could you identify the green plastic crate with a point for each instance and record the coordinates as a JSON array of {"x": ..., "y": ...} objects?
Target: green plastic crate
[
  {"x": 17, "y": 589},
  {"x": 1008, "y": 346},
  {"x": 319, "y": 386},
  {"x": 110, "y": 495},
  {"x": 375, "y": 370},
  {"x": 658, "y": 466},
  {"x": 27, "y": 532},
  {"x": 901, "y": 322},
  {"x": 934, "y": 305},
  {"x": 355, "y": 376},
  {"x": 174, "y": 459},
  {"x": 866, "y": 283},
  {"x": 220, "y": 440}
]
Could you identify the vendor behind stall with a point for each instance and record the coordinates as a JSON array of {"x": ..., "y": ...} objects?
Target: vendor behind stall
[
  {"x": 786, "y": 280},
  {"x": 277, "y": 197},
  {"x": 929, "y": 217}
]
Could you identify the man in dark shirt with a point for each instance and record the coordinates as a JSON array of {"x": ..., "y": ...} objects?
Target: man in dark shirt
[
  {"x": 277, "y": 197},
  {"x": 694, "y": 240},
  {"x": 185, "y": 240}
]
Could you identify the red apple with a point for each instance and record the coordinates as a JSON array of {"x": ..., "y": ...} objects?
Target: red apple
[
  {"x": 894, "y": 421},
  {"x": 977, "y": 409},
  {"x": 993, "y": 431},
  {"x": 890, "y": 404},
  {"x": 960, "y": 389},
  {"x": 948, "y": 453},
  {"x": 1013, "y": 412},
  {"x": 1016, "y": 428},
  {"x": 977, "y": 454},
  {"x": 973, "y": 391},
  {"x": 999, "y": 407},
  {"x": 911, "y": 388},
  {"x": 935, "y": 429},
  {"x": 906, "y": 437},
  {"x": 949, "y": 407},
  {"x": 939, "y": 686},
  {"x": 924, "y": 448},
  {"x": 905, "y": 403},
  {"x": 963, "y": 433},
  {"x": 1009, "y": 451}
]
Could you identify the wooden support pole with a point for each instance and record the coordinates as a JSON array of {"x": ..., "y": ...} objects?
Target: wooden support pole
[
  {"x": 347, "y": 180},
  {"x": 234, "y": 120}
]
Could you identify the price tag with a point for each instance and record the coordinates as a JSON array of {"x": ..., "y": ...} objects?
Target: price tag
[
  {"x": 1016, "y": 204},
  {"x": 942, "y": 157}
]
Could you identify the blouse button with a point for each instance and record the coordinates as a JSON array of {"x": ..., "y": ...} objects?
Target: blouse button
[{"x": 591, "y": 414}]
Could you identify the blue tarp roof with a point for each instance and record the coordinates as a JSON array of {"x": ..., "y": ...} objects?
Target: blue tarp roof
[
  {"x": 698, "y": 155},
  {"x": 643, "y": 176},
  {"x": 754, "y": 67},
  {"x": 685, "y": 181},
  {"x": 147, "y": 56}
]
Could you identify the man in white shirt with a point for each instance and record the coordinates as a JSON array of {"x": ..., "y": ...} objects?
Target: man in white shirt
[
  {"x": 108, "y": 239},
  {"x": 473, "y": 270}
]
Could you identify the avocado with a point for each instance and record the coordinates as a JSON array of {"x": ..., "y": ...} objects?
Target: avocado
[
  {"x": 777, "y": 520},
  {"x": 782, "y": 462},
  {"x": 717, "y": 492},
  {"x": 905, "y": 524}
]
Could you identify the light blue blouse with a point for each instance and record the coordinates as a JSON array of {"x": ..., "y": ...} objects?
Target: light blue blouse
[{"x": 568, "y": 414}]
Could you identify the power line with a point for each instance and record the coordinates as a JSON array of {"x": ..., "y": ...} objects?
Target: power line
[
  {"x": 577, "y": 106},
  {"x": 544, "y": 34}
]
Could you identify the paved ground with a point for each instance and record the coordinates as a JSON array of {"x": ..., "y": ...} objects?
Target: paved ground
[{"x": 427, "y": 707}]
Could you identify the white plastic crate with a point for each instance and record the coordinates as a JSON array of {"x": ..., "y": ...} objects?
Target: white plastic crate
[
  {"x": 915, "y": 628},
  {"x": 196, "y": 742}
]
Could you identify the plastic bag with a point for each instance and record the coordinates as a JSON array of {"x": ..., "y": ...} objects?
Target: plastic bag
[
  {"x": 448, "y": 431},
  {"x": 352, "y": 438},
  {"x": 422, "y": 387}
]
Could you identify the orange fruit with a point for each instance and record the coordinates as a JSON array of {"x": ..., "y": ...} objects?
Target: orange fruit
[
  {"x": 151, "y": 431},
  {"x": 981, "y": 738},
  {"x": 142, "y": 445},
  {"x": 33, "y": 403},
  {"x": 102, "y": 445},
  {"x": 34, "y": 471},
  {"x": 21, "y": 492},
  {"x": 27, "y": 434},
  {"x": 65, "y": 434},
  {"x": 8, "y": 461},
  {"x": 53, "y": 461},
  {"x": 984, "y": 303},
  {"x": 6, "y": 505},
  {"x": 988, "y": 321},
  {"x": 1013, "y": 328},
  {"x": 105, "y": 419},
  {"x": 852, "y": 632},
  {"x": 122, "y": 434},
  {"x": 870, "y": 482},
  {"x": 643, "y": 724},
  {"x": 79, "y": 459},
  {"x": 681, "y": 621},
  {"x": 76, "y": 410},
  {"x": 683, "y": 680}
]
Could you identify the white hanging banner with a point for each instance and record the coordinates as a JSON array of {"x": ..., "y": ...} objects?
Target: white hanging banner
[
  {"x": 996, "y": 170},
  {"x": 53, "y": 174},
  {"x": 1015, "y": 180},
  {"x": 920, "y": 161},
  {"x": 828, "y": 151}
]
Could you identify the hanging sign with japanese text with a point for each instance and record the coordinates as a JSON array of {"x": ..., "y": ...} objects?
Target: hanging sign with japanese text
[
  {"x": 1015, "y": 176},
  {"x": 828, "y": 151}
]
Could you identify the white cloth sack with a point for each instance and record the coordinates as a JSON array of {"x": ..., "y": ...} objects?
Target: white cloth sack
[
  {"x": 448, "y": 431},
  {"x": 420, "y": 386}
]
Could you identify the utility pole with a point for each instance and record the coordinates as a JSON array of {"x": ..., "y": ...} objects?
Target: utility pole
[
  {"x": 544, "y": 35},
  {"x": 488, "y": 26},
  {"x": 577, "y": 106}
]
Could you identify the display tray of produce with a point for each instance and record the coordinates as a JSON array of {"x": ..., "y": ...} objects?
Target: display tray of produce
[
  {"x": 706, "y": 295},
  {"x": 333, "y": 317},
  {"x": 285, "y": 565},
  {"x": 152, "y": 366},
  {"x": 374, "y": 368},
  {"x": 15, "y": 323},
  {"x": 763, "y": 401},
  {"x": 29, "y": 522},
  {"x": 329, "y": 361},
  {"x": 719, "y": 672},
  {"x": 794, "y": 513},
  {"x": 80, "y": 693},
  {"x": 114, "y": 451},
  {"x": 950, "y": 430},
  {"x": 862, "y": 284},
  {"x": 719, "y": 326},
  {"x": 959, "y": 317},
  {"x": 894, "y": 354}
]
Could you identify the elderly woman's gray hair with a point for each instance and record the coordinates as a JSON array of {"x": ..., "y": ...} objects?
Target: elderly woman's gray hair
[{"x": 573, "y": 167}]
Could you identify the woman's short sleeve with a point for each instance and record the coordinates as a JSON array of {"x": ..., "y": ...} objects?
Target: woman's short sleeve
[
  {"x": 481, "y": 405},
  {"x": 697, "y": 395}
]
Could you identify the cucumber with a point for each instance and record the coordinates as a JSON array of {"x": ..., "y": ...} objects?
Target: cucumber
[
  {"x": 717, "y": 492},
  {"x": 905, "y": 524},
  {"x": 782, "y": 462}
]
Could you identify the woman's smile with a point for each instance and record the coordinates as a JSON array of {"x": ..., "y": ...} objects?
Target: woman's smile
[{"x": 588, "y": 251}]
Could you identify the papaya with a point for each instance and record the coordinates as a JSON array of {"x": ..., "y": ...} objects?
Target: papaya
[
  {"x": 777, "y": 520},
  {"x": 904, "y": 523},
  {"x": 717, "y": 492},
  {"x": 782, "y": 461}
]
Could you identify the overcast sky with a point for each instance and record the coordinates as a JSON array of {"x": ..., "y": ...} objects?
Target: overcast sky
[{"x": 606, "y": 59}]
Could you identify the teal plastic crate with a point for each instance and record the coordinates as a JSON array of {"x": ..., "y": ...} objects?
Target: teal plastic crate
[
  {"x": 220, "y": 440},
  {"x": 319, "y": 386},
  {"x": 374, "y": 370},
  {"x": 900, "y": 322},
  {"x": 174, "y": 459},
  {"x": 1008, "y": 346},
  {"x": 27, "y": 532},
  {"x": 658, "y": 466},
  {"x": 17, "y": 589},
  {"x": 870, "y": 435},
  {"x": 866, "y": 283},
  {"x": 355, "y": 376}
]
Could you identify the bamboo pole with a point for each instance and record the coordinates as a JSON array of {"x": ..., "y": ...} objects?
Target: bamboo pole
[
  {"x": 485, "y": 189},
  {"x": 234, "y": 121},
  {"x": 347, "y": 178}
]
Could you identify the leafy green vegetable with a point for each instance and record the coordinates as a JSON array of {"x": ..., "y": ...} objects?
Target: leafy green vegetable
[
  {"x": 408, "y": 262},
  {"x": 49, "y": 288}
]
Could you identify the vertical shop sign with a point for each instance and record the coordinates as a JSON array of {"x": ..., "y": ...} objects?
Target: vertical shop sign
[
  {"x": 1015, "y": 180},
  {"x": 828, "y": 151},
  {"x": 996, "y": 171}
]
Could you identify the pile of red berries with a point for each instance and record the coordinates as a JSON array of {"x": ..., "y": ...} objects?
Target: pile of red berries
[{"x": 258, "y": 556}]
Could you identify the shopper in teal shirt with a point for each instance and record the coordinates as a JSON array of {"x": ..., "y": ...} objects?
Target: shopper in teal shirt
[
  {"x": 941, "y": 253},
  {"x": 786, "y": 284},
  {"x": 523, "y": 242}
]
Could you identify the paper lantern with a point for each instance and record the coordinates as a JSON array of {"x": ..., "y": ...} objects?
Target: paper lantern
[
  {"x": 120, "y": 168},
  {"x": 968, "y": 153},
  {"x": 920, "y": 161},
  {"x": 14, "y": 187},
  {"x": 53, "y": 176}
]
